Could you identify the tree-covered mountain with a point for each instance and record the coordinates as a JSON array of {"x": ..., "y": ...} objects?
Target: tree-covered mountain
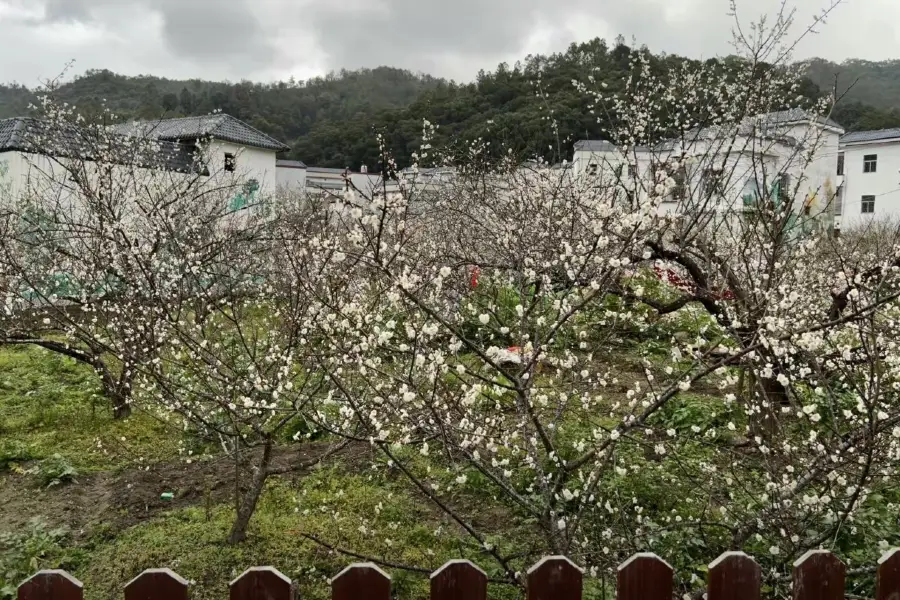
[
  {"x": 287, "y": 110},
  {"x": 332, "y": 120},
  {"x": 876, "y": 84},
  {"x": 868, "y": 92}
]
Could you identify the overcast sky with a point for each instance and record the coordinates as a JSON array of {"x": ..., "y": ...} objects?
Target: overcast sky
[{"x": 265, "y": 40}]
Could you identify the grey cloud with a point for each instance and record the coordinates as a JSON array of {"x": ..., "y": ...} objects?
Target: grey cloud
[
  {"x": 267, "y": 39},
  {"x": 215, "y": 31},
  {"x": 420, "y": 33},
  {"x": 204, "y": 31},
  {"x": 69, "y": 10}
]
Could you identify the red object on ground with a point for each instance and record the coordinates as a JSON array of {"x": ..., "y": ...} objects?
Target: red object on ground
[
  {"x": 674, "y": 279},
  {"x": 473, "y": 282}
]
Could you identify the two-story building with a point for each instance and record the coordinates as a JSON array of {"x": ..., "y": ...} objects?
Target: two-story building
[
  {"x": 868, "y": 169},
  {"x": 726, "y": 168}
]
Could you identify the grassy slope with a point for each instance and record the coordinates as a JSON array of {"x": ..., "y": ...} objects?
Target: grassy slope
[
  {"x": 190, "y": 540},
  {"x": 49, "y": 405}
]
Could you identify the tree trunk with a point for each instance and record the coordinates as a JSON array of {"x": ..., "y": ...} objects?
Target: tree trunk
[
  {"x": 774, "y": 395},
  {"x": 116, "y": 390},
  {"x": 251, "y": 497}
]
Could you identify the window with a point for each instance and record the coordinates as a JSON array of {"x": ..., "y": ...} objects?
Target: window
[
  {"x": 868, "y": 204},
  {"x": 712, "y": 183},
  {"x": 629, "y": 171},
  {"x": 679, "y": 192},
  {"x": 870, "y": 163},
  {"x": 230, "y": 163},
  {"x": 750, "y": 193},
  {"x": 840, "y": 168},
  {"x": 592, "y": 169},
  {"x": 781, "y": 189}
]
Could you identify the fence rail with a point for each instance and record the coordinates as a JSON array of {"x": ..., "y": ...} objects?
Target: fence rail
[{"x": 817, "y": 575}]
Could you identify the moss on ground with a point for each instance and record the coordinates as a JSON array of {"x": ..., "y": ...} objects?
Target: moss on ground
[
  {"x": 366, "y": 513},
  {"x": 51, "y": 404}
]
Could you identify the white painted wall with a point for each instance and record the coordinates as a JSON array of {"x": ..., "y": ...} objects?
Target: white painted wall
[
  {"x": 44, "y": 177},
  {"x": 746, "y": 159},
  {"x": 884, "y": 184},
  {"x": 290, "y": 178},
  {"x": 251, "y": 163}
]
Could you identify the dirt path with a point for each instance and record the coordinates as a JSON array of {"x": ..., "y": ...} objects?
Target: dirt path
[{"x": 125, "y": 498}]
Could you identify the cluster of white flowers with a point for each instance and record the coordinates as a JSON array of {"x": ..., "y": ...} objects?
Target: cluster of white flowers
[{"x": 618, "y": 376}]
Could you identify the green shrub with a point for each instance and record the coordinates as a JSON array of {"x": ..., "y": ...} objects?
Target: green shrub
[
  {"x": 54, "y": 470},
  {"x": 27, "y": 551},
  {"x": 12, "y": 452}
]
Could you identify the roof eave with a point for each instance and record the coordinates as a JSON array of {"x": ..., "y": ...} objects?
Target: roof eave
[{"x": 887, "y": 140}]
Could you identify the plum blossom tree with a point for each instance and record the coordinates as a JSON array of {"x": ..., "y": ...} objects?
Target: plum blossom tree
[
  {"x": 770, "y": 424},
  {"x": 127, "y": 251},
  {"x": 92, "y": 207}
]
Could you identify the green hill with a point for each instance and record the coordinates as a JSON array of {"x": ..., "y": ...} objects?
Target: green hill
[{"x": 331, "y": 120}]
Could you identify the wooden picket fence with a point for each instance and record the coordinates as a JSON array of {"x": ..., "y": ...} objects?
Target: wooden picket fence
[{"x": 817, "y": 575}]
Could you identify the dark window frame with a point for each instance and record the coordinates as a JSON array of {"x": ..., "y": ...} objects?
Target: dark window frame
[
  {"x": 230, "y": 162},
  {"x": 713, "y": 182},
  {"x": 680, "y": 191},
  {"x": 868, "y": 202},
  {"x": 870, "y": 163},
  {"x": 840, "y": 164}
]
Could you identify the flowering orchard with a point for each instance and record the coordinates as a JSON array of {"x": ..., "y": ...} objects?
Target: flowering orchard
[
  {"x": 761, "y": 412},
  {"x": 603, "y": 362}
]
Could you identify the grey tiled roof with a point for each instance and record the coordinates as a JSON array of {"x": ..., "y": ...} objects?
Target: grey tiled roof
[
  {"x": 870, "y": 136},
  {"x": 26, "y": 134},
  {"x": 290, "y": 164},
  {"x": 221, "y": 127},
  {"x": 794, "y": 115},
  {"x": 595, "y": 146},
  {"x": 326, "y": 170}
]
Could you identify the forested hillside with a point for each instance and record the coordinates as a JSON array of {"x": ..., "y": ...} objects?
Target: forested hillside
[
  {"x": 287, "y": 110},
  {"x": 332, "y": 120},
  {"x": 869, "y": 91}
]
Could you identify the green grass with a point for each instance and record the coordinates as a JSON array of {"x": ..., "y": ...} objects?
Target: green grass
[
  {"x": 51, "y": 404},
  {"x": 330, "y": 504}
]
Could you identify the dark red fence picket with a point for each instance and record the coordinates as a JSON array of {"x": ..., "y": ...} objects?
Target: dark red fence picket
[
  {"x": 459, "y": 580},
  {"x": 817, "y": 575}
]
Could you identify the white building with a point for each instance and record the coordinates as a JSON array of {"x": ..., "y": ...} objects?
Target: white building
[
  {"x": 231, "y": 146},
  {"x": 729, "y": 164},
  {"x": 868, "y": 169},
  {"x": 290, "y": 174},
  {"x": 218, "y": 146}
]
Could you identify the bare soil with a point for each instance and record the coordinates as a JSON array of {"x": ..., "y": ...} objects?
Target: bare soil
[{"x": 125, "y": 498}]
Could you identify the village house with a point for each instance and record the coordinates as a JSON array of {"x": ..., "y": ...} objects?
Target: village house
[
  {"x": 726, "y": 169},
  {"x": 868, "y": 172},
  {"x": 34, "y": 152}
]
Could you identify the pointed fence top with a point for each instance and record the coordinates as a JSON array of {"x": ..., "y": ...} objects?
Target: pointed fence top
[
  {"x": 640, "y": 555},
  {"x": 454, "y": 562},
  {"x": 888, "y": 554},
  {"x": 811, "y": 553},
  {"x": 362, "y": 565},
  {"x": 58, "y": 572},
  {"x": 726, "y": 555},
  {"x": 271, "y": 570},
  {"x": 555, "y": 558},
  {"x": 51, "y": 584},
  {"x": 168, "y": 572}
]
